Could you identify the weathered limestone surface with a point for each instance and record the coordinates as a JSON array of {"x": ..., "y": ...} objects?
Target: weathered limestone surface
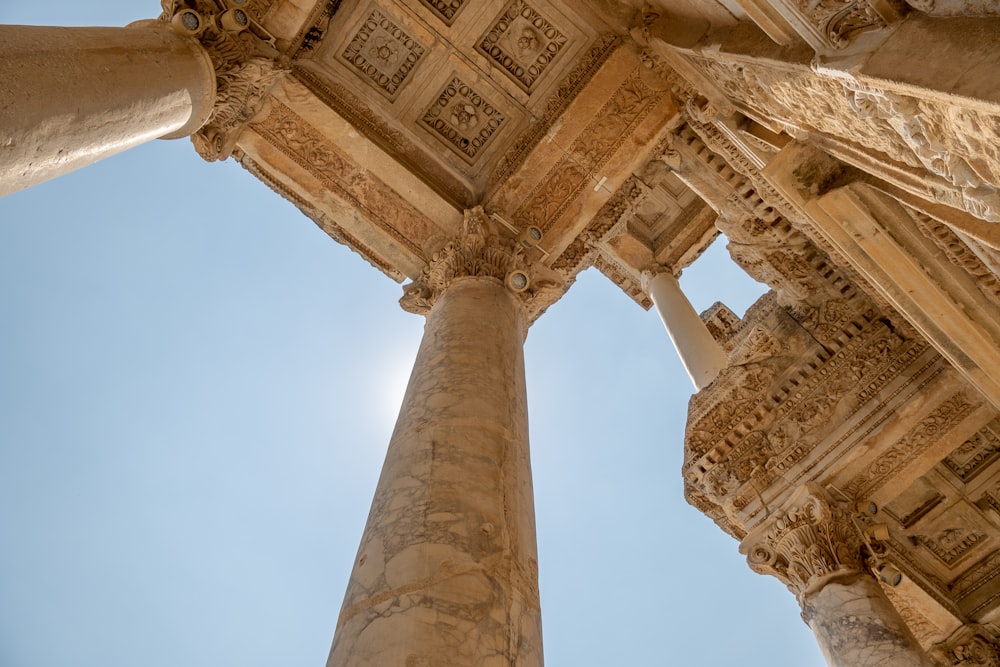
[
  {"x": 72, "y": 96},
  {"x": 856, "y": 626},
  {"x": 446, "y": 573},
  {"x": 815, "y": 548}
]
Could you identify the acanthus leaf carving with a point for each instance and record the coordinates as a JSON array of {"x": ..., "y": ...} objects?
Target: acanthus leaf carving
[
  {"x": 804, "y": 545},
  {"x": 482, "y": 250},
  {"x": 246, "y": 66}
]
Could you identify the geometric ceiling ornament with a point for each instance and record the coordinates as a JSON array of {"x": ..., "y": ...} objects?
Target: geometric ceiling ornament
[
  {"x": 445, "y": 9},
  {"x": 463, "y": 118},
  {"x": 382, "y": 53},
  {"x": 522, "y": 43}
]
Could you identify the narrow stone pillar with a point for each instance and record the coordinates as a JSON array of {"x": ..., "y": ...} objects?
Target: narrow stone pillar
[
  {"x": 72, "y": 96},
  {"x": 702, "y": 356},
  {"x": 446, "y": 574},
  {"x": 815, "y": 549}
]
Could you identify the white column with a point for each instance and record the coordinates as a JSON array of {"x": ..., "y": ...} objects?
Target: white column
[
  {"x": 701, "y": 355},
  {"x": 72, "y": 96}
]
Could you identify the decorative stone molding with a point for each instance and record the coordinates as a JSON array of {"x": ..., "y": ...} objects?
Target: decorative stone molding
[
  {"x": 604, "y": 135},
  {"x": 481, "y": 250},
  {"x": 570, "y": 87},
  {"x": 925, "y": 136},
  {"x": 246, "y": 66},
  {"x": 446, "y": 10},
  {"x": 522, "y": 43},
  {"x": 807, "y": 544},
  {"x": 382, "y": 53},
  {"x": 969, "y": 646},
  {"x": 927, "y": 432},
  {"x": 463, "y": 119},
  {"x": 835, "y": 23}
]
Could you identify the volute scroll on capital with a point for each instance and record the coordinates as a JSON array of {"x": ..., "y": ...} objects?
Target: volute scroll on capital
[
  {"x": 483, "y": 249},
  {"x": 246, "y": 62},
  {"x": 812, "y": 541}
]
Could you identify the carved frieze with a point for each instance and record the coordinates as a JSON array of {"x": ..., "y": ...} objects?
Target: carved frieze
[
  {"x": 629, "y": 105},
  {"x": 958, "y": 145},
  {"x": 569, "y": 88},
  {"x": 925, "y": 434},
  {"x": 382, "y": 53},
  {"x": 312, "y": 151},
  {"x": 463, "y": 119},
  {"x": 522, "y": 43},
  {"x": 376, "y": 128}
]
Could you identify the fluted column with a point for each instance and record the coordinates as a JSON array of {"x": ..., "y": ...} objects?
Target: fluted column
[
  {"x": 702, "y": 356},
  {"x": 72, "y": 96},
  {"x": 815, "y": 549},
  {"x": 446, "y": 574}
]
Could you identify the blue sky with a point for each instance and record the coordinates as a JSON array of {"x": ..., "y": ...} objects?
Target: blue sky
[{"x": 197, "y": 387}]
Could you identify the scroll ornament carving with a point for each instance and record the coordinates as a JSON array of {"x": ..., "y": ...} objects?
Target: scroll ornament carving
[
  {"x": 807, "y": 544},
  {"x": 479, "y": 250},
  {"x": 246, "y": 66},
  {"x": 969, "y": 646},
  {"x": 841, "y": 20}
]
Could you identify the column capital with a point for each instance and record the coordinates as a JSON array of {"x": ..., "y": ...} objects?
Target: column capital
[
  {"x": 246, "y": 66},
  {"x": 807, "y": 544},
  {"x": 482, "y": 250}
]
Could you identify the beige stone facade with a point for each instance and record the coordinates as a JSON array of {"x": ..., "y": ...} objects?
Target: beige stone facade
[{"x": 845, "y": 430}]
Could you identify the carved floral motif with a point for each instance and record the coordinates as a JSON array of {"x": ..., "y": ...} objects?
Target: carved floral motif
[
  {"x": 928, "y": 431},
  {"x": 445, "y": 9},
  {"x": 245, "y": 69},
  {"x": 600, "y": 140},
  {"x": 807, "y": 543},
  {"x": 382, "y": 53},
  {"x": 480, "y": 250},
  {"x": 522, "y": 43},
  {"x": 463, "y": 118},
  {"x": 307, "y": 147}
]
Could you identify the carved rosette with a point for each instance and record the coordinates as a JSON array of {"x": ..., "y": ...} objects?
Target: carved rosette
[
  {"x": 246, "y": 66},
  {"x": 807, "y": 544},
  {"x": 480, "y": 250}
]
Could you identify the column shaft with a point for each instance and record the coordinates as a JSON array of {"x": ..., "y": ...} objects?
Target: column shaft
[
  {"x": 701, "y": 355},
  {"x": 446, "y": 574},
  {"x": 856, "y": 626},
  {"x": 72, "y": 96}
]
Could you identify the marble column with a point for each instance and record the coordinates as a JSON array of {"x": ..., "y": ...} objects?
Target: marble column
[
  {"x": 446, "y": 574},
  {"x": 72, "y": 96},
  {"x": 815, "y": 549},
  {"x": 702, "y": 356}
]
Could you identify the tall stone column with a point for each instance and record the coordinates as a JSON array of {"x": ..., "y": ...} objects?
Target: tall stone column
[
  {"x": 815, "y": 549},
  {"x": 72, "y": 96},
  {"x": 702, "y": 356},
  {"x": 446, "y": 574}
]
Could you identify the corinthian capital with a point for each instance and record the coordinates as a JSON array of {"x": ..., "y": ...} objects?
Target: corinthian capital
[
  {"x": 481, "y": 249},
  {"x": 807, "y": 544},
  {"x": 245, "y": 61}
]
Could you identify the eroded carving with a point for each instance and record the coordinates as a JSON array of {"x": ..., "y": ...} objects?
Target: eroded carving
[
  {"x": 246, "y": 67},
  {"x": 463, "y": 118},
  {"x": 522, "y": 43},
  {"x": 806, "y": 544},
  {"x": 481, "y": 249},
  {"x": 382, "y": 53}
]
